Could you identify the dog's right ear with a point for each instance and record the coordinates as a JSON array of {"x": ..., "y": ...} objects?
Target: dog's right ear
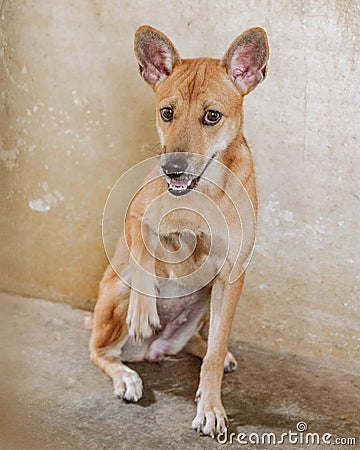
[{"x": 155, "y": 53}]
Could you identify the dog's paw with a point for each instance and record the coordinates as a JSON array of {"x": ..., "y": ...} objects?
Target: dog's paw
[
  {"x": 230, "y": 363},
  {"x": 210, "y": 419},
  {"x": 128, "y": 385},
  {"x": 142, "y": 317}
]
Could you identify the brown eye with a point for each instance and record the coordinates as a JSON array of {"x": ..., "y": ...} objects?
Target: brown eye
[
  {"x": 167, "y": 114},
  {"x": 211, "y": 117}
]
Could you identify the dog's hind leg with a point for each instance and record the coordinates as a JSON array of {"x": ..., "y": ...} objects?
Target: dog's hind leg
[
  {"x": 109, "y": 335},
  {"x": 196, "y": 346}
]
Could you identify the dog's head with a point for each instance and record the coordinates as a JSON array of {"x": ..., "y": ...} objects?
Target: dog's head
[{"x": 198, "y": 101}]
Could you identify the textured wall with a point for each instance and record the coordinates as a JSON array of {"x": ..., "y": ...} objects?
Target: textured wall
[{"x": 74, "y": 115}]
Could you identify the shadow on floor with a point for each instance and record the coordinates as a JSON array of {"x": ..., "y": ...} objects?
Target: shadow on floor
[{"x": 52, "y": 397}]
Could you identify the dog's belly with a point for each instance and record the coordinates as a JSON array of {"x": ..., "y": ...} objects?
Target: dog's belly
[{"x": 179, "y": 319}]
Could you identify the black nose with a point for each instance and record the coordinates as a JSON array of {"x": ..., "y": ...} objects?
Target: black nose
[{"x": 175, "y": 165}]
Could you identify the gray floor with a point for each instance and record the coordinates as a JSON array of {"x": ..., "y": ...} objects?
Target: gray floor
[{"x": 53, "y": 398}]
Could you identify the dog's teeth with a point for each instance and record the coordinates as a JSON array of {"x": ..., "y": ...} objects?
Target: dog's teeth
[{"x": 180, "y": 187}]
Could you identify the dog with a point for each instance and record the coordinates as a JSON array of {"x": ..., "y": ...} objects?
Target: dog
[{"x": 153, "y": 303}]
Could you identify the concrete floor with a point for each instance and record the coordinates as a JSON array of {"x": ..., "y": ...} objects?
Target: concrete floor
[{"x": 53, "y": 398}]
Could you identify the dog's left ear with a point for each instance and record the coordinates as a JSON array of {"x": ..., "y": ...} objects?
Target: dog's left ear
[
  {"x": 155, "y": 53},
  {"x": 246, "y": 59}
]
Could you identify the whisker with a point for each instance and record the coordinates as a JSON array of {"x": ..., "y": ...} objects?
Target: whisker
[
  {"x": 150, "y": 122},
  {"x": 156, "y": 149}
]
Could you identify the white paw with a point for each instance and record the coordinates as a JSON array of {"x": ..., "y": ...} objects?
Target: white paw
[
  {"x": 210, "y": 419},
  {"x": 142, "y": 317},
  {"x": 128, "y": 385},
  {"x": 230, "y": 363}
]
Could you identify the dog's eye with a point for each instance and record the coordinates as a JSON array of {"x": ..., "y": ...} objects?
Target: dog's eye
[
  {"x": 167, "y": 114},
  {"x": 211, "y": 117}
]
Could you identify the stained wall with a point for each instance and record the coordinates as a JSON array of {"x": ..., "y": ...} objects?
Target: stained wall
[{"x": 74, "y": 115}]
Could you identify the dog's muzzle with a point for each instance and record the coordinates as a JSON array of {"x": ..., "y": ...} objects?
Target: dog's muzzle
[{"x": 178, "y": 180}]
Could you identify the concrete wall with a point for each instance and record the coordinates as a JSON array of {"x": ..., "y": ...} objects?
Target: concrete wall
[{"x": 74, "y": 115}]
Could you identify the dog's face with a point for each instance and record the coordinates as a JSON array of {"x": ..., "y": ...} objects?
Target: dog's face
[
  {"x": 198, "y": 101},
  {"x": 193, "y": 119}
]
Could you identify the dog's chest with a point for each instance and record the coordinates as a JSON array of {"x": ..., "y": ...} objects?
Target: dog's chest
[
  {"x": 186, "y": 261},
  {"x": 189, "y": 244},
  {"x": 172, "y": 218}
]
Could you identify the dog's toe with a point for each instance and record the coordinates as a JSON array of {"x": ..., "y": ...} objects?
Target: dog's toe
[
  {"x": 210, "y": 424},
  {"x": 230, "y": 363},
  {"x": 210, "y": 421},
  {"x": 140, "y": 331},
  {"x": 142, "y": 318},
  {"x": 128, "y": 386}
]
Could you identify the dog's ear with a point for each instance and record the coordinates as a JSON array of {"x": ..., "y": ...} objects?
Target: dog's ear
[
  {"x": 246, "y": 59},
  {"x": 155, "y": 53}
]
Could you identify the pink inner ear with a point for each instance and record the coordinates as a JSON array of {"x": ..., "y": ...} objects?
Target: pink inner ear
[
  {"x": 158, "y": 62},
  {"x": 150, "y": 74},
  {"x": 158, "y": 57},
  {"x": 245, "y": 65}
]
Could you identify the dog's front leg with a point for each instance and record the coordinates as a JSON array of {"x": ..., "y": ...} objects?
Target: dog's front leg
[
  {"x": 142, "y": 317},
  {"x": 211, "y": 417}
]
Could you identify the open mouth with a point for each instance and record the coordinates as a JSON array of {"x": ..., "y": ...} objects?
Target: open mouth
[
  {"x": 181, "y": 185},
  {"x": 181, "y": 182}
]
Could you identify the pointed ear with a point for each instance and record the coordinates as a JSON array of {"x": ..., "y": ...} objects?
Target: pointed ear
[
  {"x": 246, "y": 59},
  {"x": 155, "y": 53}
]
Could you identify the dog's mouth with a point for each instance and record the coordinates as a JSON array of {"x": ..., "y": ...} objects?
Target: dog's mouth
[{"x": 181, "y": 185}]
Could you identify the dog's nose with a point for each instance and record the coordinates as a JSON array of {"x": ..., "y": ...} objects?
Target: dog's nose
[{"x": 175, "y": 165}]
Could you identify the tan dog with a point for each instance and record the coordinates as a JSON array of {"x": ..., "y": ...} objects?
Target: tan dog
[{"x": 153, "y": 302}]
